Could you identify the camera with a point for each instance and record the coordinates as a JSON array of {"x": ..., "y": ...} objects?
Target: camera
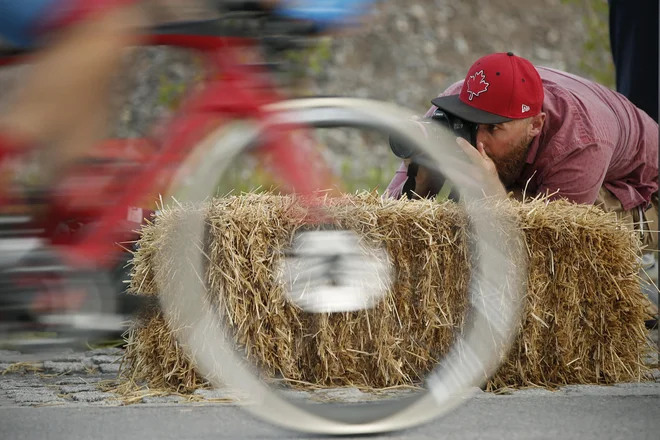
[
  {"x": 439, "y": 119},
  {"x": 436, "y": 128}
]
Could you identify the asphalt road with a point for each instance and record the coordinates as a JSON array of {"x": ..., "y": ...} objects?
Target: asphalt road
[
  {"x": 494, "y": 417},
  {"x": 63, "y": 399}
]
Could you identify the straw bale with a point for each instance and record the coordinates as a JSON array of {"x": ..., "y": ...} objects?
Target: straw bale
[{"x": 583, "y": 312}]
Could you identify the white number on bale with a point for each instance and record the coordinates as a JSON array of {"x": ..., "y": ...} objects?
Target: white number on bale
[{"x": 331, "y": 271}]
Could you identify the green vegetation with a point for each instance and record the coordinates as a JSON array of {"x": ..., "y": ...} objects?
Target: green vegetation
[
  {"x": 597, "y": 59},
  {"x": 250, "y": 173},
  {"x": 170, "y": 93},
  {"x": 303, "y": 62}
]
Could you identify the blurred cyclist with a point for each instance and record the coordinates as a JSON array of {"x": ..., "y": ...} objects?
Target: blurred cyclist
[
  {"x": 62, "y": 104},
  {"x": 61, "y": 108}
]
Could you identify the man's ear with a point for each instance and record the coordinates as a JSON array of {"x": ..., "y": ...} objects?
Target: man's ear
[{"x": 537, "y": 124}]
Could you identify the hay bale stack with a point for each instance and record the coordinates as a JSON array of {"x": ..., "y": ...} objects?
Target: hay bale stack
[{"x": 584, "y": 314}]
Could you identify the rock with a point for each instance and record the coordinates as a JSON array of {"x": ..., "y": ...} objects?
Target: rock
[
  {"x": 543, "y": 53},
  {"x": 162, "y": 399},
  {"x": 65, "y": 367},
  {"x": 345, "y": 395},
  {"x": 402, "y": 26},
  {"x": 553, "y": 36},
  {"x": 13, "y": 384},
  {"x": 73, "y": 389},
  {"x": 533, "y": 392},
  {"x": 109, "y": 368},
  {"x": 461, "y": 45},
  {"x": 115, "y": 352},
  {"x": 105, "y": 359},
  {"x": 220, "y": 394},
  {"x": 91, "y": 396},
  {"x": 76, "y": 381},
  {"x": 418, "y": 12},
  {"x": 33, "y": 397}
]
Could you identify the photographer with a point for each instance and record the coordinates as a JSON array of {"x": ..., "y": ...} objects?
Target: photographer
[{"x": 547, "y": 132}]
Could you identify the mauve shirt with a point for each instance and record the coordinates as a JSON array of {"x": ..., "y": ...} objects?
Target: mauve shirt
[{"x": 592, "y": 137}]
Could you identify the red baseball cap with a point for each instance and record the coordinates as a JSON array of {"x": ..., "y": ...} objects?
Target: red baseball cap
[{"x": 498, "y": 88}]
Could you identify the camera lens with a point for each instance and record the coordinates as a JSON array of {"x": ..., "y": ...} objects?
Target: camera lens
[{"x": 400, "y": 148}]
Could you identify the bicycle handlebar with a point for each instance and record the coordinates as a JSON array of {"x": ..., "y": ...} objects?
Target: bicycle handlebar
[{"x": 276, "y": 33}]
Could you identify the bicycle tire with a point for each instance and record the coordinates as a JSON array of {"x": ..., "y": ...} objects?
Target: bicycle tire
[{"x": 488, "y": 336}]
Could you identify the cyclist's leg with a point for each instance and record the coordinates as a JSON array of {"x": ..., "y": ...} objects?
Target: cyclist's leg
[{"x": 62, "y": 103}]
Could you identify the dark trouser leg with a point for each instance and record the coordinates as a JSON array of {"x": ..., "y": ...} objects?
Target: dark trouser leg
[{"x": 634, "y": 41}]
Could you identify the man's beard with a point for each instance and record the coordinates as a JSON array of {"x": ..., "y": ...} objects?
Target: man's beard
[{"x": 510, "y": 167}]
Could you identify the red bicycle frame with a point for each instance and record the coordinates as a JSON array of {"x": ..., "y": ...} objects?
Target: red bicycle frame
[{"x": 234, "y": 90}]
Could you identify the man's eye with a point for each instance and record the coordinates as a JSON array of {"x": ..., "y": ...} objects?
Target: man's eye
[{"x": 492, "y": 128}]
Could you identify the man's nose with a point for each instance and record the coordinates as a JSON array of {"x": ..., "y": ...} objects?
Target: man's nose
[{"x": 482, "y": 134}]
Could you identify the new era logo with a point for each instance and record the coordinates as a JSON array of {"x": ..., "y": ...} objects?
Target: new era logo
[{"x": 525, "y": 108}]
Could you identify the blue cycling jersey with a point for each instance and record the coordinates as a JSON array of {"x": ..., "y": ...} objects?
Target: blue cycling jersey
[
  {"x": 326, "y": 13},
  {"x": 18, "y": 18}
]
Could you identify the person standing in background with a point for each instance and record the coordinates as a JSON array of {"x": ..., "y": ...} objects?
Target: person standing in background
[{"x": 634, "y": 42}]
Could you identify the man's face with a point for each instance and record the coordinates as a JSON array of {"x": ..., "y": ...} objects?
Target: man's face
[{"x": 507, "y": 144}]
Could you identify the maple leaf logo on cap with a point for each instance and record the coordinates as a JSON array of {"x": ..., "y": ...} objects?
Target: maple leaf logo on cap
[{"x": 476, "y": 84}]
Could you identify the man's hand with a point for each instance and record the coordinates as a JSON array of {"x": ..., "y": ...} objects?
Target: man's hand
[
  {"x": 479, "y": 157},
  {"x": 428, "y": 184}
]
